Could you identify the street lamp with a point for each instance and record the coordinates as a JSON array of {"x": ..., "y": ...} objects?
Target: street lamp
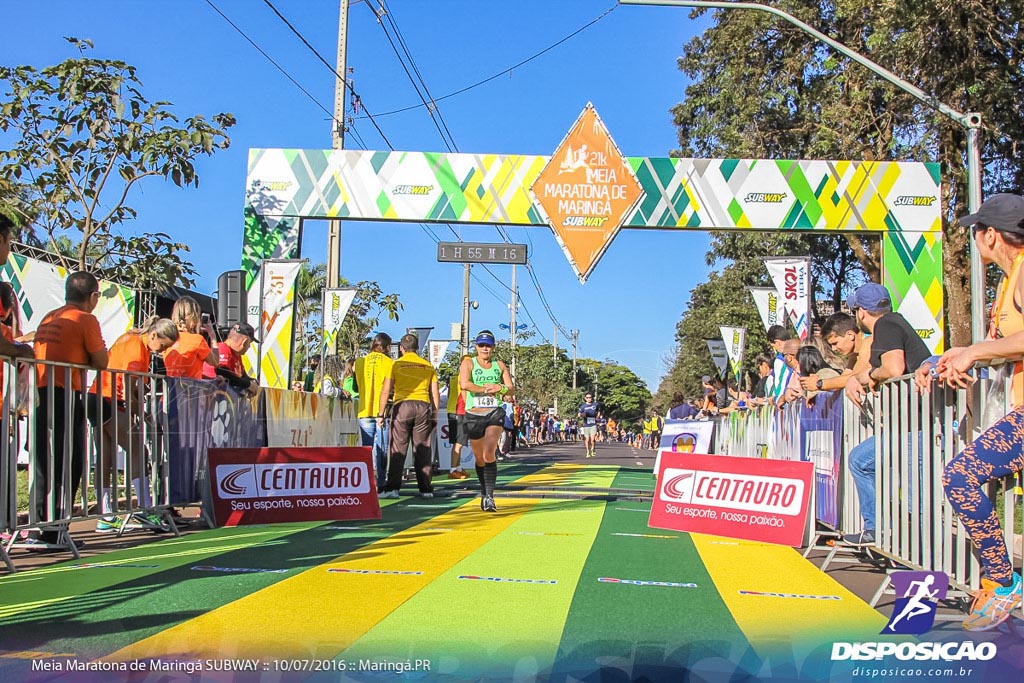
[{"x": 971, "y": 122}]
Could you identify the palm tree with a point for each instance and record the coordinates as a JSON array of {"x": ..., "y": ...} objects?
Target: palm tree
[{"x": 309, "y": 304}]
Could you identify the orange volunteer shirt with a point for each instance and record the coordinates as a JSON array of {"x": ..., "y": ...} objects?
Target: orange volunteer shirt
[
  {"x": 186, "y": 357},
  {"x": 67, "y": 335},
  {"x": 130, "y": 353}
]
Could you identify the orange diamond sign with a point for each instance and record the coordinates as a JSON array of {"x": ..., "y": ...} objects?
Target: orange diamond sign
[{"x": 587, "y": 189}]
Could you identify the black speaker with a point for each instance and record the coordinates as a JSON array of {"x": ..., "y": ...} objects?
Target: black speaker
[{"x": 231, "y": 298}]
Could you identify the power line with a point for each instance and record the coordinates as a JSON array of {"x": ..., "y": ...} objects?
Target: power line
[
  {"x": 438, "y": 122},
  {"x": 345, "y": 81},
  {"x": 271, "y": 60},
  {"x": 507, "y": 70}
]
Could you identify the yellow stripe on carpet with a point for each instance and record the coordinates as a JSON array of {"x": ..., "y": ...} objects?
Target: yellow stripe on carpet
[
  {"x": 776, "y": 596},
  {"x": 318, "y": 613}
]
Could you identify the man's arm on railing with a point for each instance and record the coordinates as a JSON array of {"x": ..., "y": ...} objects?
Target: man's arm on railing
[{"x": 13, "y": 350}]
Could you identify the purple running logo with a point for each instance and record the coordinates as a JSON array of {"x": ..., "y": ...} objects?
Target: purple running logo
[{"x": 917, "y": 594}]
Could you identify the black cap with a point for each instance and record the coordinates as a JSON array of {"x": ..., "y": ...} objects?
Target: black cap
[
  {"x": 1001, "y": 211},
  {"x": 245, "y": 329}
]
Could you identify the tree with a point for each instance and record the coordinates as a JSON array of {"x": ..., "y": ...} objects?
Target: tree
[
  {"x": 84, "y": 137},
  {"x": 369, "y": 304},
  {"x": 798, "y": 99},
  {"x": 723, "y": 299},
  {"x": 309, "y": 305}
]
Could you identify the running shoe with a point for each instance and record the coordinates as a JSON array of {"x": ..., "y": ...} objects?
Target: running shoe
[
  {"x": 487, "y": 504},
  {"x": 458, "y": 474},
  {"x": 109, "y": 525},
  {"x": 993, "y": 604},
  {"x": 427, "y": 494},
  {"x": 151, "y": 521},
  {"x": 866, "y": 537},
  {"x": 389, "y": 494}
]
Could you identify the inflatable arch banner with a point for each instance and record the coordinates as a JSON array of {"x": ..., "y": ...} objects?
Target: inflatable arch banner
[{"x": 899, "y": 200}]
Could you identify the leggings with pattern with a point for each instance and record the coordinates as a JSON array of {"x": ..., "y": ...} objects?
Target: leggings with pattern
[{"x": 999, "y": 451}]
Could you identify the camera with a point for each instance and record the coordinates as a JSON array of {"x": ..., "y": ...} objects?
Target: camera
[{"x": 205, "y": 317}]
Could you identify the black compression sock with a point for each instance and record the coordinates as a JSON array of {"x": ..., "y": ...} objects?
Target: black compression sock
[
  {"x": 480, "y": 475},
  {"x": 490, "y": 478}
]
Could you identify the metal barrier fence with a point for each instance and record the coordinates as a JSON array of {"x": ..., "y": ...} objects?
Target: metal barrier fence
[
  {"x": 123, "y": 463},
  {"x": 915, "y": 436},
  {"x": 76, "y": 438}
]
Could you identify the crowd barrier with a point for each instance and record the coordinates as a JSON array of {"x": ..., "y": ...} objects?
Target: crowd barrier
[
  {"x": 916, "y": 434},
  {"x": 160, "y": 434}
]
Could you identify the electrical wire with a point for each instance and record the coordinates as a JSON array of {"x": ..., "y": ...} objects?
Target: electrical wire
[{"x": 507, "y": 70}]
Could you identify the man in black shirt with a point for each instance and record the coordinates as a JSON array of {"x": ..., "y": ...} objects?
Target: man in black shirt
[{"x": 896, "y": 349}]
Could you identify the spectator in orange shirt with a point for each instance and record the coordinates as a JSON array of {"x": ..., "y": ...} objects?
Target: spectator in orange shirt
[
  {"x": 131, "y": 352},
  {"x": 186, "y": 357},
  {"x": 70, "y": 334}
]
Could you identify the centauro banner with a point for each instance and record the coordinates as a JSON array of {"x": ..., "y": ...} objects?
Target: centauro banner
[
  {"x": 336, "y": 304},
  {"x": 792, "y": 278},
  {"x": 769, "y": 305}
]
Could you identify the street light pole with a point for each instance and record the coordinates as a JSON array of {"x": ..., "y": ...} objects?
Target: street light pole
[{"x": 971, "y": 122}]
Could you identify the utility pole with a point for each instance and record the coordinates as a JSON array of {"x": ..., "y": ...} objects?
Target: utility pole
[
  {"x": 464, "y": 342},
  {"x": 575, "y": 338},
  {"x": 338, "y": 140},
  {"x": 512, "y": 325}
]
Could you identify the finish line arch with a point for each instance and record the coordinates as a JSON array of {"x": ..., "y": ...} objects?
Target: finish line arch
[{"x": 899, "y": 200}]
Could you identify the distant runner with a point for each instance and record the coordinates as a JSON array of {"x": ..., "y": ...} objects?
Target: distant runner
[{"x": 589, "y": 412}]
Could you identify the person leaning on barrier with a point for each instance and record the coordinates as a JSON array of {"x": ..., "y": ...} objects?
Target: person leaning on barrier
[
  {"x": 195, "y": 337},
  {"x": 131, "y": 352},
  {"x": 998, "y": 230},
  {"x": 229, "y": 358},
  {"x": 844, "y": 336},
  {"x": 896, "y": 349},
  {"x": 792, "y": 390},
  {"x": 69, "y": 334}
]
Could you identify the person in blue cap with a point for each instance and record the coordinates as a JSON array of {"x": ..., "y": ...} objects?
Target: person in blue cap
[
  {"x": 484, "y": 380},
  {"x": 896, "y": 349}
]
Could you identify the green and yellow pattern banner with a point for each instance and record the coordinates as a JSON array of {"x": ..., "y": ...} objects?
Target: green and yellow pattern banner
[{"x": 887, "y": 197}]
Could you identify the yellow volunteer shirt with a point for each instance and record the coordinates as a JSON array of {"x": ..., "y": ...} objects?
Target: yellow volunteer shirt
[
  {"x": 453, "y": 393},
  {"x": 412, "y": 377},
  {"x": 371, "y": 370}
]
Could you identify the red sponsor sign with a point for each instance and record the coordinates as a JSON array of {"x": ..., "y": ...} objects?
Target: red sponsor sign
[
  {"x": 748, "y": 498},
  {"x": 272, "y": 485}
]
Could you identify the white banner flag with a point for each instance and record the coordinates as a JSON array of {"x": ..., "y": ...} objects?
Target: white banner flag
[
  {"x": 422, "y": 333},
  {"x": 718, "y": 354},
  {"x": 436, "y": 351},
  {"x": 277, "y": 316},
  {"x": 734, "y": 338},
  {"x": 769, "y": 305},
  {"x": 792, "y": 278},
  {"x": 336, "y": 304}
]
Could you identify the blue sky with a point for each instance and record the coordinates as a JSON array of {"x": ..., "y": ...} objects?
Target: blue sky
[{"x": 625, "y": 64}]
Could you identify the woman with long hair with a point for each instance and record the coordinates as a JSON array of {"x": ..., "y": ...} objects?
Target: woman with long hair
[
  {"x": 193, "y": 348},
  {"x": 131, "y": 353}
]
